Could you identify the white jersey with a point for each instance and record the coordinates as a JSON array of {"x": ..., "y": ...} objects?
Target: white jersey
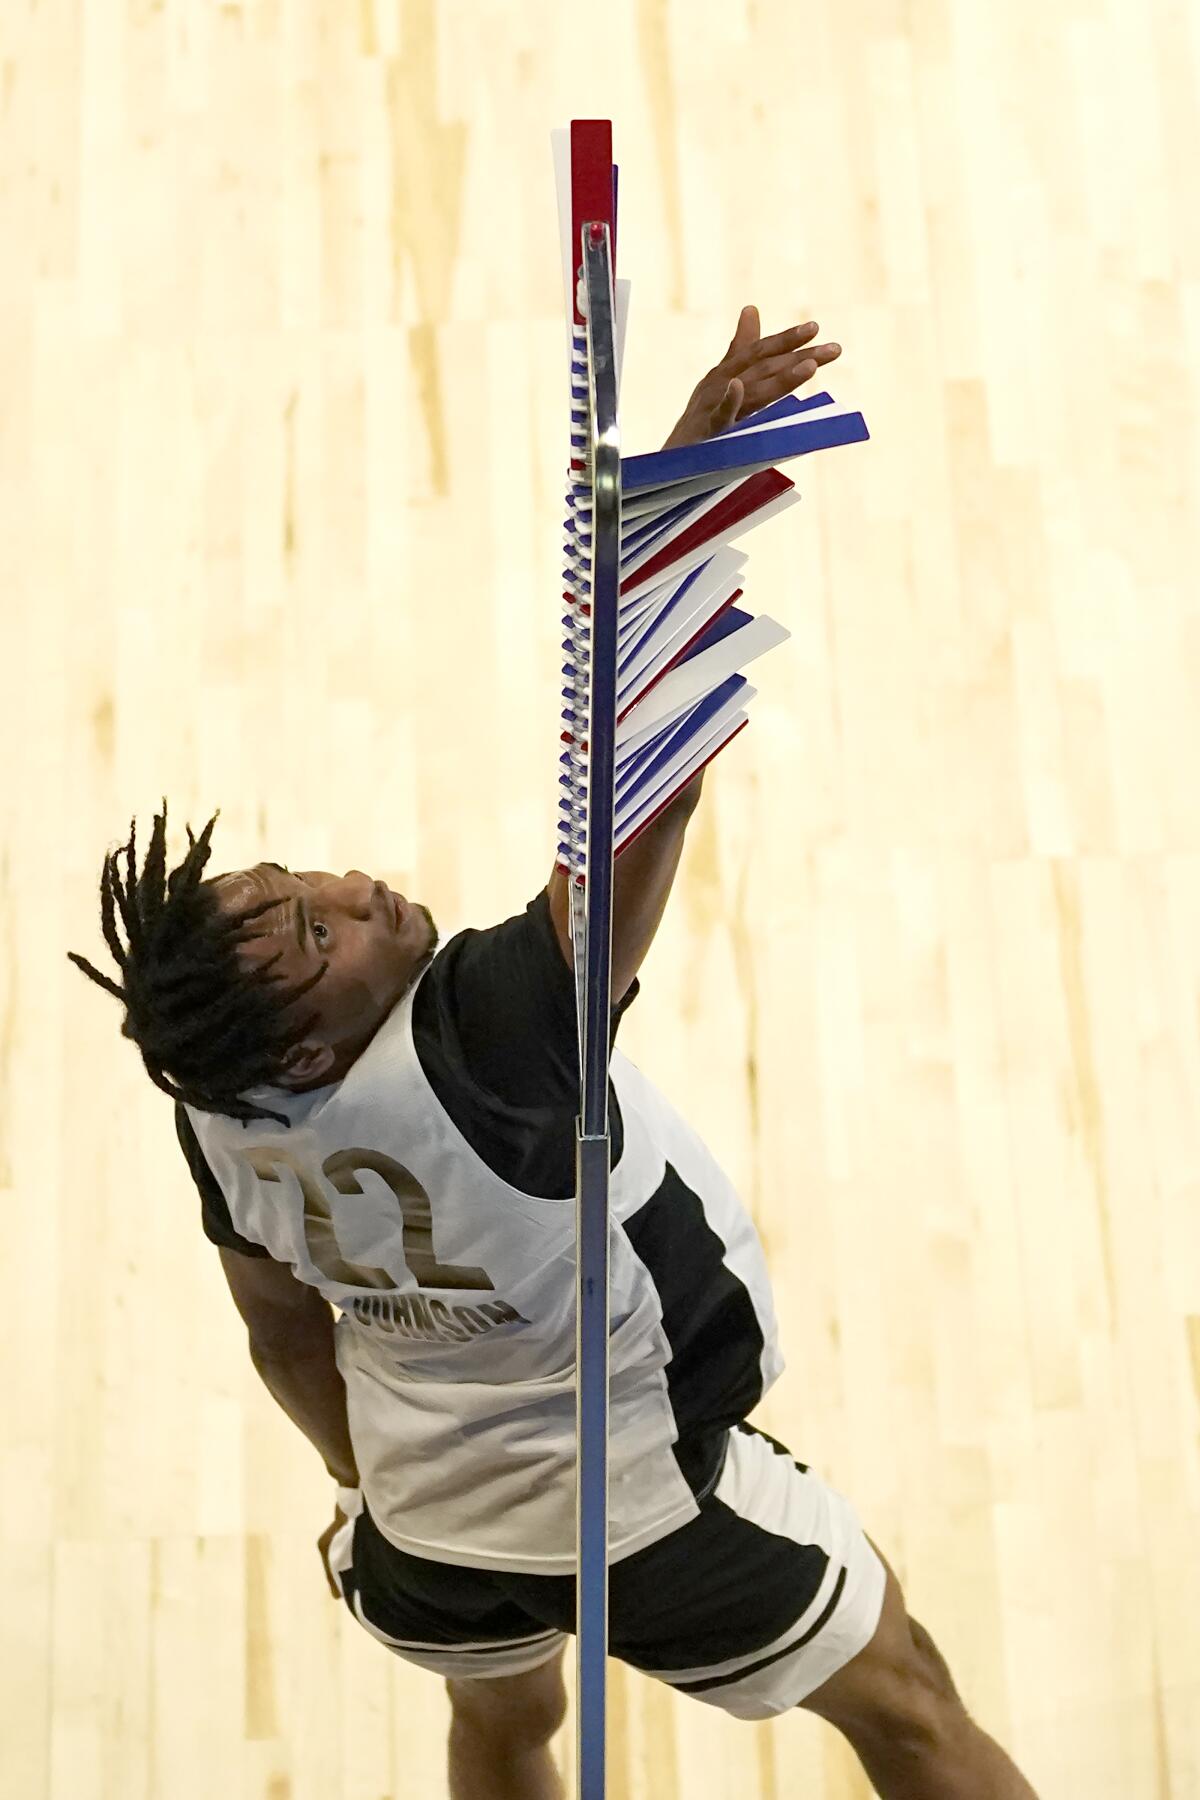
[{"x": 402, "y": 1193}]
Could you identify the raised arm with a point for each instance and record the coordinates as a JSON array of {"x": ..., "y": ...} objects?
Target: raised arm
[
  {"x": 642, "y": 880},
  {"x": 753, "y": 372}
]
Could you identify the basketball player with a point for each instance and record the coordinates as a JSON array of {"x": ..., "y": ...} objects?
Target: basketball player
[{"x": 383, "y": 1121}]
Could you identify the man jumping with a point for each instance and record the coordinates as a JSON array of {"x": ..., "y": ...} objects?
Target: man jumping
[{"x": 383, "y": 1123}]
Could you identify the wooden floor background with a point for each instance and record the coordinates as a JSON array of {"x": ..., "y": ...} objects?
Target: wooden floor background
[{"x": 281, "y": 460}]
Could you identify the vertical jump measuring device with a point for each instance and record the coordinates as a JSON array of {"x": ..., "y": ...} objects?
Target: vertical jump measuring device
[
  {"x": 593, "y": 675},
  {"x": 653, "y": 648}
]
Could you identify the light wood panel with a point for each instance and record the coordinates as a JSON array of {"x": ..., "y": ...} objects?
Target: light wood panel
[{"x": 281, "y": 456}]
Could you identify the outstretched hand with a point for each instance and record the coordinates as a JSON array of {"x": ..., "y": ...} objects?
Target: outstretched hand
[{"x": 753, "y": 372}]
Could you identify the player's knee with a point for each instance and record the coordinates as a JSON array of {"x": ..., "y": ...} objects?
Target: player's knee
[
  {"x": 932, "y": 1663},
  {"x": 896, "y": 1694},
  {"x": 520, "y": 1712},
  {"x": 920, "y": 1709},
  {"x": 905, "y": 1705}
]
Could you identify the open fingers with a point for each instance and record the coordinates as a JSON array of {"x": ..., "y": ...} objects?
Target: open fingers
[
  {"x": 784, "y": 375},
  {"x": 772, "y": 367},
  {"x": 746, "y": 335},
  {"x": 783, "y": 343},
  {"x": 762, "y": 393}
]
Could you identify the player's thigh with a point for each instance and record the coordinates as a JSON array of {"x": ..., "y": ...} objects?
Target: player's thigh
[
  {"x": 755, "y": 1602},
  {"x": 898, "y": 1685},
  {"x": 523, "y": 1710}
]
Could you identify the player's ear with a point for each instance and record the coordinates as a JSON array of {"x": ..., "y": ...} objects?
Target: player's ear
[{"x": 305, "y": 1062}]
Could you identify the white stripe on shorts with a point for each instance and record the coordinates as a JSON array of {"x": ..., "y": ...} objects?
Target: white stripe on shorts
[
  {"x": 472, "y": 1661},
  {"x": 466, "y": 1662},
  {"x": 766, "y": 1488}
]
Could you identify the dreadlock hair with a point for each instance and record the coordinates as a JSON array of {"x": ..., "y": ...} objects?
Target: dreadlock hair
[{"x": 191, "y": 1007}]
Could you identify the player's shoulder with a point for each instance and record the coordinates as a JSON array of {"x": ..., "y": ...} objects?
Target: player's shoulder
[
  {"x": 215, "y": 1216},
  {"x": 494, "y": 1014},
  {"x": 510, "y": 954},
  {"x": 532, "y": 920}
]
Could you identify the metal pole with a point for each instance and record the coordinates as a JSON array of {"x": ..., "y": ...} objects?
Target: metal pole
[{"x": 592, "y": 1135}]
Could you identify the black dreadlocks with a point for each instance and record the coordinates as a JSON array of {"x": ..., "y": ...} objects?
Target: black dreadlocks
[{"x": 190, "y": 1006}]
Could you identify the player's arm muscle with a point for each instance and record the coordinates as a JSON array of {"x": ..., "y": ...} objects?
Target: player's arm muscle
[
  {"x": 642, "y": 881},
  {"x": 281, "y": 1314},
  {"x": 292, "y": 1348}
]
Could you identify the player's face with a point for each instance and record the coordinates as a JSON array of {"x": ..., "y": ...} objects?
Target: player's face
[{"x": 374, "y": 941}]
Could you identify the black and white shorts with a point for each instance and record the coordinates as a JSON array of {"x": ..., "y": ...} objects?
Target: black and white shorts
[{"x": 750, "y": 1607}]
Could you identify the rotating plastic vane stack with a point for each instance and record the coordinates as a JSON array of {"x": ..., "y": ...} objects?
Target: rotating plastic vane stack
[{"x": 682, "y": 638}]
